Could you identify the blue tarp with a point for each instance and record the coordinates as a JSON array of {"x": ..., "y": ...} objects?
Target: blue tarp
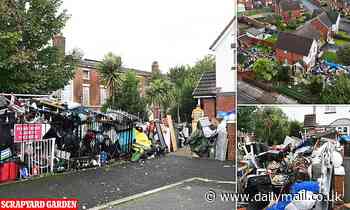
[
  {"x": 344, "y": 138},
  {"x": 126, "y": 138},
  {"x": 295, "y": 189},
  {"x": 307, "y": 185}
]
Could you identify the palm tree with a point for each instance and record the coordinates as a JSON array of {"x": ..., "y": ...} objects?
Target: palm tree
[
  {"x": 159, "y": 94},
  {"x": 110, "y": 70}
]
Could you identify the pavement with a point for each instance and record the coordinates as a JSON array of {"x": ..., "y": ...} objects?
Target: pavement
[
  {"x": 189, "y": 195},
  {"x": 344, "y": 25},
  {"x": 249, "y": 94},
  {"x": 98, "y": 186}
]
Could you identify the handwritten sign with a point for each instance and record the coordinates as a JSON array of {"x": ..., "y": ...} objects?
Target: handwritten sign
[{"x": 28, "y": 132}]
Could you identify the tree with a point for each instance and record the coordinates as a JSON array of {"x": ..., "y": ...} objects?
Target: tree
[
  {"x": 28, "y": 63},
  {"x": 343, "y": 55},
  {"x": 265, "y": 69},
  {"x": 283, "y": 72},
  {"x": 271, "y": 126},
  {"x": 338, "y": 93},
  {"x": 316, "y": 84},
  {"x": 128, "y": 97},
  {"x": 246, "y": 116},
  {"x": 294, "y": 128},
  {"x": 279, "y": 23},
  {"x": 159, "y": 93},
  {"x": 110, "y": 70}
]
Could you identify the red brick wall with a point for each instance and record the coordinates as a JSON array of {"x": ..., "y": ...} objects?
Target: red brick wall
[
  {"x": 94, "y": 83},
  {"x": 209, "y": 106},
  {"x": 225, "y": 103},
  {"x": 291, "y": 57},
  {"x": 320, "y": 27},
  {"x": 231, "y": 144},
  {"x": 294, "y": 15}
]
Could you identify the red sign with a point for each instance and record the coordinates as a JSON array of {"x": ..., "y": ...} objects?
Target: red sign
[
  {"x": 29, "y": 204},
  {"x": 28, "y": 132}
]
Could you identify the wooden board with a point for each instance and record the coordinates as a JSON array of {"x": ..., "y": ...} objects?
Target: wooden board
[
  {"x": 160, "y": 134},
  {"x": 231, "y": 138},
  {"x": 172, "y": 133}
]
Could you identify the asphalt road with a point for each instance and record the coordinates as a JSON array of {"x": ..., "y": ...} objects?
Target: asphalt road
[
  {"x": 189, "y": 196},
  {"x": 102, "y": 185}
]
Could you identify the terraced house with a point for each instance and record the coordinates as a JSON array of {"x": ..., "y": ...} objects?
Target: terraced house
[
  {"x": 288, "y": 9},
  {"x": 86, "y": 87}
]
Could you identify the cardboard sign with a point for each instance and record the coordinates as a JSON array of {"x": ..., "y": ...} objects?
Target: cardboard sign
[{"x": 28, "y": 132}]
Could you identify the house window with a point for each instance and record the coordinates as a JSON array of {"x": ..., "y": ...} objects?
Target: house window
[
  {"x": 103, "y": 95},
  {"x": 345, "y": 130},
  {"x": 86, "y": 95},
  {"x": 86, "y": 74},
  {"x": 330, "y": 110}
]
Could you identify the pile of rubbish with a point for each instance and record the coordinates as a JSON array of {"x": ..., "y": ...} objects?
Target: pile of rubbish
[
  {"x": 292, "y": 172},
  {"x": 42, "y": 135}
]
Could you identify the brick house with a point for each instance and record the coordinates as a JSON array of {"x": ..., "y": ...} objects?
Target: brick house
[
  {"x": 324, "y": 25},
  {"x": 215, "y": 91},
  {"x": 86, "y": 87},
  {"x": 309, "y": 31},
  {"x": 342, "y": 6},
  {"x": 291, "y": 49},
  {"x": 267, "y": 3},
  {"x": 288, "y": 9},
  {"x": 248, "y": 4}
]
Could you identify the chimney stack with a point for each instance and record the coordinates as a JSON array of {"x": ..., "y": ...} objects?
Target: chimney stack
[
  {"x": 59, "y": 41},
  {"x": 155, "y": 67}
]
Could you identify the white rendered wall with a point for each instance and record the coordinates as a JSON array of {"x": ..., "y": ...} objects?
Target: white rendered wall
[{"x": 225, "y": 60}]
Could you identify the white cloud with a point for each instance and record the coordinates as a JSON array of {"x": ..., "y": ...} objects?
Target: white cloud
[{"x": 171, "y": 32}]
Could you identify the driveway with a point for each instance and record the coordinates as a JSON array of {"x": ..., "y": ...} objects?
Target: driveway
[
  {"x": 95, "y": 187},
  {"x": 345, "y": 25}
]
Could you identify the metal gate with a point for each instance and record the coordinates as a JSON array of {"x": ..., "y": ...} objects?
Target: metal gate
[{"x": 36, "y": 153}]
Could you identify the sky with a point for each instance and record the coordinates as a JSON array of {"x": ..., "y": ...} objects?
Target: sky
[
  {"x": 298, "y": 112},
  {"x": 170, "y": 32}
]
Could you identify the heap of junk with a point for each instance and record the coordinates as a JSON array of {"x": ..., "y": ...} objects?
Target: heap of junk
[
  {"x": 42, "y": 135},
  {"x": 302, "y": 173}
]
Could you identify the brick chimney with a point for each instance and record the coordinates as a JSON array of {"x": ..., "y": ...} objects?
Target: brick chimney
[
  {"x": 155, "y": 67},
  {"x": 59, "y": 41}
]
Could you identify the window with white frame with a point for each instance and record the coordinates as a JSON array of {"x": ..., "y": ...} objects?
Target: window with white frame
[
  {"x": 86, "y": 74},
  {"x": 103, "y": 95},
  {"x": 86, "y": 95}
]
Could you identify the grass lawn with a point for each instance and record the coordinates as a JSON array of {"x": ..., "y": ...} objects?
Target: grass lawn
[
  {"x": 298, "y": 92},
  {"x": 330, "y": 56},
  {"x": 344, "y": 34},
  {"x": 340, "y": 42},
  {"x": 272, "y": 39},
  {"x": 344, "y": 39}
]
